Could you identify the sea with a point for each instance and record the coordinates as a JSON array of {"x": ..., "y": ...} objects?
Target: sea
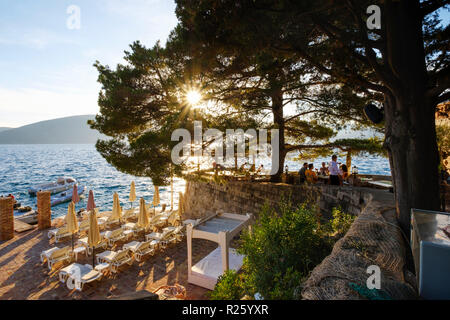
[{"x": 23, "y": 166}]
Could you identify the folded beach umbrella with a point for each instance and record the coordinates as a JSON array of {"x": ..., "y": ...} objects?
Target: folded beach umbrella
[
  {"x": 132, "y": 193},
  {"x": 71, "y": 220},
  {"x": 156, "y": 199},
  {"x": 94, "y": 233},
  {"x": 75, "y": 196},
  {"x": 143, "y": 217},
  {"x": 117, "y": 210},
  {"x": 90, "y": 204}
]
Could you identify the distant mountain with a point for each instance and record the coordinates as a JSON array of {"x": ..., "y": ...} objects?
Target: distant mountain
[
  {"x": 70, "y": 130},
  {"x": 4, "y": 129}
]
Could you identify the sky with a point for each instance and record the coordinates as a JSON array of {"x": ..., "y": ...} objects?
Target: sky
[{"x": 46, "y": 61}]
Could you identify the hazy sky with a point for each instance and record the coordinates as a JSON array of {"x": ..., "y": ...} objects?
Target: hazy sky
[{"x": 46, "y": 67}]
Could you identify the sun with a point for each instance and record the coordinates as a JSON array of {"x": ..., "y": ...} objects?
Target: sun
[{"x": 193, "y": 97}]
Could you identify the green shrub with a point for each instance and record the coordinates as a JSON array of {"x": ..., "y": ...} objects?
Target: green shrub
[
  {"x": 282, "y": 248},
  {"x": 341, "y": 222},
  {"x": 228, "y": 287}
]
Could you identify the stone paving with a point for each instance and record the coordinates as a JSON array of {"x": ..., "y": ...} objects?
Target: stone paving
[{"x": 23, "y": 276}]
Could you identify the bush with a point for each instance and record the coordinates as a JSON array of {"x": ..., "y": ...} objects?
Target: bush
[
  {"x": 228, "y": 287},
  {"x": 280, "y": 251},
  {"x": 341, "y": 222}
]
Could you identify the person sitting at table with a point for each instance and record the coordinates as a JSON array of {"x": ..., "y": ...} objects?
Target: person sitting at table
[
  {"x": 301, "y": 172},
  {"x": 344, "y": 172},
  {"x": 334, "y": 171},
  {"x": 324, "y": 170},
  {"x": 311, "y": 175}
]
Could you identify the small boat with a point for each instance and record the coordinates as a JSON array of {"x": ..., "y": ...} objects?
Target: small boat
[
  {"x": 29, "y": 217},
  {"x": 62, "y": 184},
  {"x": 65, "y": 196}
]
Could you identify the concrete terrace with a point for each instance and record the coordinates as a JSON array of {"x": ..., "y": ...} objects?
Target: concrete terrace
[{"x": 23, "y": 276}]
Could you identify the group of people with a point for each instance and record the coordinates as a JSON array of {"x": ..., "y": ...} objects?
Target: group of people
[
  {"x": 337, "y": 173},
  {"x": 9, "y": 196}
]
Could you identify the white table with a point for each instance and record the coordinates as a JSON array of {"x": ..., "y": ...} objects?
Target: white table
[{"x": 79, "y": 250}]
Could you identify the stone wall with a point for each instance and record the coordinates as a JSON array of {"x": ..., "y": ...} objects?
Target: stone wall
[{"x": 243, "y": 197}]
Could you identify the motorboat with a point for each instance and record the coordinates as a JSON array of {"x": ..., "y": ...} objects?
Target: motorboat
[
  {"x": 29, "y": 217},
  {"x": 62, "y": 184},
  {"x": 65, "y": 196}
]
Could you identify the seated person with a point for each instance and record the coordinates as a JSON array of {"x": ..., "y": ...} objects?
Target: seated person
[
  {"x": 302, "y": 171},
  {"x": 324, "y": 170},
  {"x": 311, "y": 175},
  {"x": 344, "y": 172}
]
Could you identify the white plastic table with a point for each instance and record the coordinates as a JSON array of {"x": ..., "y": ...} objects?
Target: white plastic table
[{"x": 79, "y": 250}]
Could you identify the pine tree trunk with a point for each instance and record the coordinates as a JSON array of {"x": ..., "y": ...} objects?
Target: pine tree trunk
[
  {"x": 278, "y": 118},
  {"x": 348, "y": 161},
  {"x": 411, "y": 141},
  {"x": 410, "y": 115}
]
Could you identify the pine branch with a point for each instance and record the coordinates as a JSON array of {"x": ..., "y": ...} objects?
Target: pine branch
[{"x": 431, "y": 6}]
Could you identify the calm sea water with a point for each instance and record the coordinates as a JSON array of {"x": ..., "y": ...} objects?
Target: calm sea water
[{"x": 22, "y": 166}]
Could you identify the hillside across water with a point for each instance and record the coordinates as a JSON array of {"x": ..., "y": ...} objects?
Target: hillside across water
[{"x": 69, "y": 130}]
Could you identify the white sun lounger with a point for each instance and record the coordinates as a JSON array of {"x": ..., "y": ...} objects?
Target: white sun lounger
[
  {"x": 115, "y": 259},
  {"x": 78, "y": 275},
  {"x": 141, "y": 249}
]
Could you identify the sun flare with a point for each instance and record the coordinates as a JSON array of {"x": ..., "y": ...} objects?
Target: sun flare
[{"x": 193, "y": 97}]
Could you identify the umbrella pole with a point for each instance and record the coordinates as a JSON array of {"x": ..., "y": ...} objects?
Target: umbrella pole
[
  {"x": 93, "y": 257},
  {"x": 171, "y": 188},
  {"x": 171, "y": 193},
  {"x": 72, "y": 242}
]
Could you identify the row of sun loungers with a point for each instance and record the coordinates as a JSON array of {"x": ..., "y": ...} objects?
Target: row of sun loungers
[{"x": 76, "y": 275}]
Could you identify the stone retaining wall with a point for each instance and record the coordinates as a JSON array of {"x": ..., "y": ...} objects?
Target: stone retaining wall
[{"x": 243, "y": 197}]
